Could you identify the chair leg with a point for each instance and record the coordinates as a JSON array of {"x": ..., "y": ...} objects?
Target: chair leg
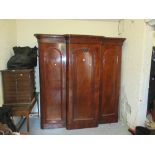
[
  {"x": 27, "y": 120},
  {"x": 38, "y": 105}
]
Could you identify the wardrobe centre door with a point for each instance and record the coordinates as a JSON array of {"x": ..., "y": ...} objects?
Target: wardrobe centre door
[{"x": 82, "y": 85}]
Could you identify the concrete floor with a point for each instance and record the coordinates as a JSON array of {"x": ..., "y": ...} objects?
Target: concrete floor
[{"x": 103, "y": 129}]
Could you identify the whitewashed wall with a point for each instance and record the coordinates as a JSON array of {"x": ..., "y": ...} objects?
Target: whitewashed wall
[
  {"x": 7, "y": 41},
  {"x": 136, "y": 59}
]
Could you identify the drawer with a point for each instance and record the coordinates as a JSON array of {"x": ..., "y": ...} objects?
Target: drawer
[
  {"x": 25, "y": 88},
  {"x": 10, "y": 87},
  {"x": 25, "y": 98},
  {"x": 9, "y": 77},
  {"x": 10, "y": 99},
  {"x": 23, "y": 76},
  {"x": 10, "y": 93}
]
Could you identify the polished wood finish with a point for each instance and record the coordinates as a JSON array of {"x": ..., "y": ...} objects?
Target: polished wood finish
[
  {"x": 80, "y": 77},
  {"x": 110, "y": 79},
  {"x": 18, "y": 86},
  {"x": 82, "y": 83},
  {"x": 52, "y": 62}
]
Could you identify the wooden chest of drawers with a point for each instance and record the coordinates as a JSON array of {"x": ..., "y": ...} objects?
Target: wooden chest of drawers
[{"x": 18, "y": 86}]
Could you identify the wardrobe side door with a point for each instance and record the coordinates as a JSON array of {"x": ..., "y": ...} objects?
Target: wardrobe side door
[
  {"x": 83, "y": 86},
  {"x": 109, "y": 83},
  {"x": 53, "y": 84}
]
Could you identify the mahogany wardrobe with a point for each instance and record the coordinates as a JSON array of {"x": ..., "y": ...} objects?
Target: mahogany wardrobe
[{"x": 79, "y": 80}]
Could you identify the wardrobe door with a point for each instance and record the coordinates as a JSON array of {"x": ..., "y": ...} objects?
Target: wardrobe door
[
  {"x": 82, "y": 85},
  {"x": 109, "y": 81},
  {"x": 52, "y": 56}
]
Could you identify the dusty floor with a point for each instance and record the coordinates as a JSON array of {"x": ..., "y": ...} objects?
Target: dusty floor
[{"x": 103, "y": 129}]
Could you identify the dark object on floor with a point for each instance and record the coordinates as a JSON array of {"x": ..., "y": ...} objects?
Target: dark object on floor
[
  {"x": 24, "y": 58},
  {"x": 5, "y": 118},
  {"x": 139, "y": 130},
  {"x": 142, "y": 131},
  {"x": 151, "y": 93},
  {"x": 152, "y": 111}
]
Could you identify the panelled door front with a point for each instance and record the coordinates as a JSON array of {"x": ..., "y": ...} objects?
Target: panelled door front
[
  {"x": 53, "y": 84},
  {"x": 109, "y": 83},
  {"x": 82, "y": 85}
]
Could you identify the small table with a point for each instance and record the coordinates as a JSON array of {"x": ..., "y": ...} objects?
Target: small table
[{"x": 25, "y": 110}]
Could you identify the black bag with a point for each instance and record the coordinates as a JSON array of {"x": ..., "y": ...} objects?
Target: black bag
[
  {"x": 5, "y": 118},
  {"x": 142, "y": 131},
  {"x": 24, "y": 58}
]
